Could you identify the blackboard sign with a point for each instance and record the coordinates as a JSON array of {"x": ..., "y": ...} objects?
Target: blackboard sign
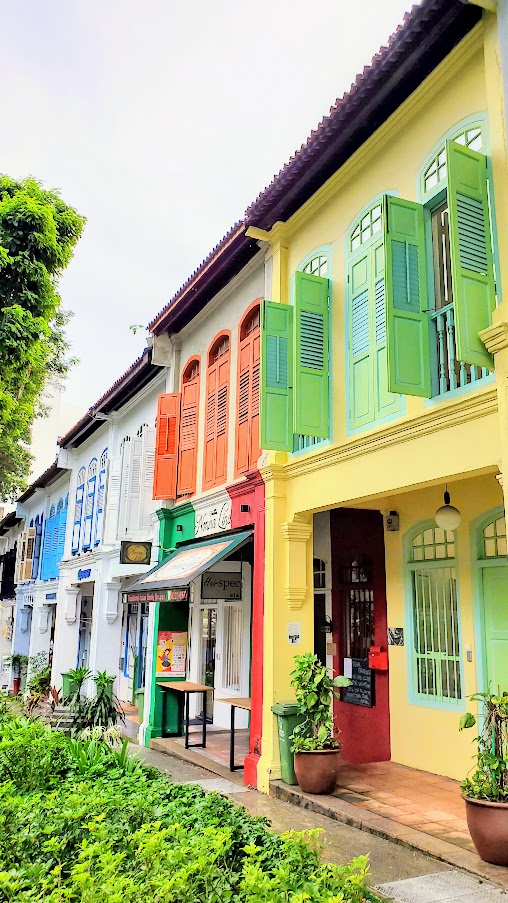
[{"x": 361, "y": 691}]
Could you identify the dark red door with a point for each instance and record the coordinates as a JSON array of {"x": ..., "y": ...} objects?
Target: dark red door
[{"x": 359, "y": 622}]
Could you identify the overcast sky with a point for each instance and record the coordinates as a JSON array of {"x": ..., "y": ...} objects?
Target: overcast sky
[{"x": 160, "y": 122}]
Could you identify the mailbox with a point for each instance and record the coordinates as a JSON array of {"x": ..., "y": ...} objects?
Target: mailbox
[{"x": 378, "y": 658}]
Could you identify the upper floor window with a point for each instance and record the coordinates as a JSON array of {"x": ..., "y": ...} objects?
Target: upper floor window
[
  {"x": 129, "y": 500},
  {"x": 101, "y": 498},
  {"x": 247, "y": 449},
  {"x": 436, "y": 170},
  {"x": 91, "y": 489},
  {"x": 434, "y": 626},
  {"x": 369, "y": 224},
  {"x": 78, "y": 510},
  {"x": 216, "y": 416},
  {"x": 54, "y": 539},
  {"x": 317, "y": 266},
  {"x": 494, "y": 539},
  {"x": 188, "y": 451}
]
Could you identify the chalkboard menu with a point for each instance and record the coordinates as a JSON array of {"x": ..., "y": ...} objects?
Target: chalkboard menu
[{"x": 361, "y": 690}]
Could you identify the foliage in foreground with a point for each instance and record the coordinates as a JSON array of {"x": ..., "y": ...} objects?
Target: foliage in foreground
[{"x": 77, "y": 825}]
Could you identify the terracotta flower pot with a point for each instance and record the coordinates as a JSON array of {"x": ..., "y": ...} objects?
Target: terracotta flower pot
[
  {"x": 317, "y": 770},
  {"x": 488, "y": 826},
  {"x": 16, "y": 684}
]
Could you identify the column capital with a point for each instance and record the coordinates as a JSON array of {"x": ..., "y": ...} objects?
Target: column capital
[
  {"x": 495, "y": 337},
  {"x": 296, "y": 535},
  {"x": 71, "y": 607}
]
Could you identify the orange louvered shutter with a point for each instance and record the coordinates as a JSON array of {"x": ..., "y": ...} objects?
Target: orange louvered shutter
[
  {"x": 166, "y": 446},
  {"x": 221, "y": 452},
  {"x": 216, "y": 416},
  {"x": 247, "y": 427},
  {"x": 188, "y": 437}
]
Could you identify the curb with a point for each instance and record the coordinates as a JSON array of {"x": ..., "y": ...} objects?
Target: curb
[{"x": 348, "y": 814}]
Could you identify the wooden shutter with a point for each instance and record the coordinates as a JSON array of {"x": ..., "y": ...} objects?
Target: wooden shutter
[
  {"x": 62, "y": 524},
  {"x": 89, "y": 509},
  {"x": 29, "y": 553},
  {"x": 78, "y": 514},
  {"x": 20, "y": 554},
  {"x": 132, "y": 490},
  {"x": 311, "y": 382},
  {"x": 474, "y": 292},
  {"x": 46, "y": 550},
  {"x": 113, "y": 499},
  {"x": 247, "y": 425},
  {"x": 188, "y": 456},
  {"x": 221, "y": 452},
  {"x": 210, "y": 427},
  {"x": 99, "y": 510},
  {"x": 361, "y": 400},
  {"x": 276, "y": 420},
  {"x": 406, "y": 297},
  {"x": 54, "y": 544},
  {"x": 166, "y": 446},
  {"x": 147, "y": 475}
]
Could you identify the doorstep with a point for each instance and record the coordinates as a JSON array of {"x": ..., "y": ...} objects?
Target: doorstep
[
  {"x": 174, "y": 747},
  {"x": 382, "y": 826}
]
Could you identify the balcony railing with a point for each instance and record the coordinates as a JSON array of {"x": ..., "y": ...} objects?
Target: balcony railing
[{"x": 451, "y": 373}]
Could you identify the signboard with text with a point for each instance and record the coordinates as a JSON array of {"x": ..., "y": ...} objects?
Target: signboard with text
[
  {"x": 178, "y": 594},
  {"x": 221, "y": 585}
]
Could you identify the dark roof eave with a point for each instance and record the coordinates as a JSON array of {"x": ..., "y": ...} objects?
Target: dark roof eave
[
  {"x": 46, "y": 479},
  {"x": 10, "y": 520}
]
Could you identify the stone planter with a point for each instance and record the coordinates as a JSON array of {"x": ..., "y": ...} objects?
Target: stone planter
[
  {"x": 488, "y": 826},
  {"x": 317, "y": 770}
]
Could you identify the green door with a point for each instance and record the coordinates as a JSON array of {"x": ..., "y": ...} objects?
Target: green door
[{"x": 495, "y": 600}]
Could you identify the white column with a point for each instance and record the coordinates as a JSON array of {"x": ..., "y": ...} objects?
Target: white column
[
  {"x": 65, "y": 652},
  {"x": 106, "y": 627}
]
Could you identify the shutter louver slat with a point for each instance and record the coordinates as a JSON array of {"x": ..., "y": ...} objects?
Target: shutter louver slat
[
  {"x": 360, "y": 323},
  {"x": 148, "y": 470},
  {"x": 380, "y": 312},
  {"x": 187, "y": 461},
  {"x": 167, "y": 445},
  {"x": 113, "y": 499},
  {"x": 276, "y": 413},
  {"x": 311, "y": 398}
]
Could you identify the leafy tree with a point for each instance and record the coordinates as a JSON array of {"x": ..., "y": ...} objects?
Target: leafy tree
[{"x": 38, "y": 233}]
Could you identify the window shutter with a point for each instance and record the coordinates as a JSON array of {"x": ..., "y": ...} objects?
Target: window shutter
[
  {"x": 407, "y": 324},
  {"x": 243, "y": 411},
  {"x": 29, "y": 553},
  {"x": 361, "y": 398},
  {"x": 20, "y": 554},
  {"x": 90, "y": 498},
  {"x": 254, "y": 449},
  {"x": 188, "y": 438},
  {"x": 221, "y": 448},
  {"x": 167, "y": 442},
  {"x": 99, "y": 511},
  {"x": 147, "y": 474},
  {"x": 276, "y": 420},
  {"x": 54, "y": 544},
  {"x": 46, "y": 550},
  {"x": 474, "y": 292},
  {"x": 210, "y": 427},
  {"x": 125, "y": 481},
  {"x": 78, "y": 514},
  {"x": 113, "y": 499},
  {"x": 311, "y": 395},
  {"x": 132, "y": 490},
  {"x": 62, "y": 524}
]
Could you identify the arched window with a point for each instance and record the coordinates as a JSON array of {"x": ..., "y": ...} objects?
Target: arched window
[
  {"x": 216, "y": 421},
  {"x": 433, "y": 629},
  {"x": 435, "y": 171},
  {"x": 494, "y": 539},
  {"x": 78, "y": 510},
  {"x": 52, "y": 511},
  {"x": 188, "y": 450},
  {"x": 59, "y": 506},
  {"x": 369, "y": 399},
  {"x": 247, "y": 449},
  {"x": 91, "y": 486},
  {"x": 37, "y": 546},
  {"x": 99, "y": 512}
]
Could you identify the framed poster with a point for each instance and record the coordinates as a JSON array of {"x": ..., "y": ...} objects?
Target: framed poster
[{"x": 171, "y": 654}]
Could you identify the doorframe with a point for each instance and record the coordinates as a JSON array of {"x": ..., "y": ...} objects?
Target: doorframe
[{"x": 479, "y": 564}]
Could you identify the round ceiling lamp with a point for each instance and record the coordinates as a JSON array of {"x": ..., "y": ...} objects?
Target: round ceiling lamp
[{"x": 447, "y": 517}]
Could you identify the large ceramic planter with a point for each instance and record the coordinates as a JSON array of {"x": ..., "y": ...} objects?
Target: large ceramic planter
[
  {"x": 317, "y": 771},
  {"x": 488, "y": 826}
]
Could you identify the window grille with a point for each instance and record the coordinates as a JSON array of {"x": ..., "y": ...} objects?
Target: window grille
[
  {"x": 367, "y": 226},
  {"x": 494, "y": 539},
  {"x": 435, "y": 172},
  {"x": 435, "y": 617}
]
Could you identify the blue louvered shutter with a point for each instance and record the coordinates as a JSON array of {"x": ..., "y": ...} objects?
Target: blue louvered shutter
[
  {"x": 99, "y": 514},
  {"x": 474, "y": 293},
  {"x": 78, "y": 515},
  {"x": 89, "y": 511},
  {"x": 62, "y": 525},
  {"x": 276, "y": 399},
  {"x": 311, "y": 356},
  {"x": 46, "y": 550}
]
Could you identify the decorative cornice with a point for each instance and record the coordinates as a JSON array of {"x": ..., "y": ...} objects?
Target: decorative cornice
[
  {"x": 297, "y": 530},
  {"x": 175, "y": 511},
  {"x": 295, "y": 596},
  {"x": 495, "y": 337}
]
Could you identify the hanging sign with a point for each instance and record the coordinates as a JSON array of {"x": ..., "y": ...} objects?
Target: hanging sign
[
  {"x": 135, "y": 552},
  {"x": 171, "y": 653},
  {"x": 218, "y": 585}
]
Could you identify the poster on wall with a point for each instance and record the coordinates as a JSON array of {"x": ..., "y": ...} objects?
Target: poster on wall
[{"x": 171, "y": 653}]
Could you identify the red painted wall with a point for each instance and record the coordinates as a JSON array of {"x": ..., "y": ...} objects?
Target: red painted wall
[
  {"x": 251, "y": 492},
  {"x": 364, "y": 732}
]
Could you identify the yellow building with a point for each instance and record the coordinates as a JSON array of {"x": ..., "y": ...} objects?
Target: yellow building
[{"x": 384, "y": 367}]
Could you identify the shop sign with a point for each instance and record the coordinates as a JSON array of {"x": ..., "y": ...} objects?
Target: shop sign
[
  {"x": 179, "y": 594},
  {"x": 214, "y": 519},
  {"x": 84, "y": 573},
  {"x": 218, "y": 585},
  {"x": 171, "y": 653},
  {"x": 135, "y": 552}
]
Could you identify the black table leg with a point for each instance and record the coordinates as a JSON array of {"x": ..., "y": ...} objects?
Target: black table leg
[
  {"x": 186, "y": 720},
  {"x": 204, "y": 720},
  {"x": 232, "y": 741}
]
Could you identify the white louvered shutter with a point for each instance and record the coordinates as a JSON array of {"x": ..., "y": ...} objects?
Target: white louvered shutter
[
  {"x": 19, "y": 557},
  {"x": 125, "y": 482},
  {"x": 133, "y": 499},
  {"x": 29, "y": 553},
  {"x": 147, "y": 505},
  {"x": 113, "y": 499}
]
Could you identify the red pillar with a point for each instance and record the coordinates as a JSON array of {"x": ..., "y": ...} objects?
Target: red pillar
[{"x": 250, "y": 494}]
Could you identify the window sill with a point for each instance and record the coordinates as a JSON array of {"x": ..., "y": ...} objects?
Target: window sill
[
  {"x": 459, "y": 706},
  {"x": 462, "y": 390}
]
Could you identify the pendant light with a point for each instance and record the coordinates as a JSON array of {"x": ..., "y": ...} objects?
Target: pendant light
[{"x": 447, "y": 517}]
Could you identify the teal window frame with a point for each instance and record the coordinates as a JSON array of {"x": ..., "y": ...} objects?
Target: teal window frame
[
  {"x": 415, "y": 698},
  {"x": 480, "y": 562},
  {"x": 400, "y": 404},
  {"x": 312, "y": 442}
]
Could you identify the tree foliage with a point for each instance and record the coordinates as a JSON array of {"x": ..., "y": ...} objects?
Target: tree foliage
[{"x": 38, "y": 233}]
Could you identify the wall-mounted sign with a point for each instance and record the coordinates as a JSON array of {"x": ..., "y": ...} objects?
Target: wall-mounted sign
[
  {"x": 294, "y": 633},
  {"x": 179, "y": 594},
  {"x": 219, "y": 585},
  {"x": 361, "y": 691},
  {"x": 135, "y": 552},
  {"x": 395, "y": 636},
  {"x": 214, "y": 519},
  {"x": 84, "y": 573},
  {"x": 171, "y": 653},
  {"x": 50, "y": 597}
]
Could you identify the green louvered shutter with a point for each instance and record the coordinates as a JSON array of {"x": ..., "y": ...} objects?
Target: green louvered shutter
[
  {"x": 474, "y": 294},
  {"x": 312, "y": 401},
  {"x": 407, "y": 324},
  {"x": 276, "y": 414}
]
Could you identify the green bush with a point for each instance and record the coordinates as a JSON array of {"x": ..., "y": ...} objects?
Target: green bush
[{"x": 128, "y": 837}]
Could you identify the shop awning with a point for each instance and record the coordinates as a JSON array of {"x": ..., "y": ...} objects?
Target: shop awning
[{"x": 168, "y": 581}]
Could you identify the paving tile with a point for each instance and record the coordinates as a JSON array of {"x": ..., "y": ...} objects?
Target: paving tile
[{"x": 442, "y": 887}]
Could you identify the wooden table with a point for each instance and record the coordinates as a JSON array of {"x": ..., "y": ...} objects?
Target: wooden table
[
  {"x": 236, "y": 703},
  {"x": 187, "y": 687}
]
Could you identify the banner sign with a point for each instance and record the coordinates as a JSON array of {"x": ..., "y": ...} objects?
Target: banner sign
[
  {"x": 179, "y": 594},
  {"x": 218, "y": 585},
  {"x": 171, "y": 653}
]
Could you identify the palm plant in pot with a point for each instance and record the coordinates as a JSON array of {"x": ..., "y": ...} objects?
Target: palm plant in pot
[
  {"x": 485, "y": 791},
  {"x": 314, "y": 741}
]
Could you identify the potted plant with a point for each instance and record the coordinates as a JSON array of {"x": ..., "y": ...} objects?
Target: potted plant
[
  {"x": 486, "y": 790},
  {"x": 314, "y": 741},
  {"x": 19, "y": 665}
]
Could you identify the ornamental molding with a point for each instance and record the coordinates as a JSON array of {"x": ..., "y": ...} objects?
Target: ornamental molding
[
  {"x": 295, "y": 596},
  {"x": 71, "y": 607},
  {"x": 495, "y": 337},
  {"x": 297, "y": 530}
]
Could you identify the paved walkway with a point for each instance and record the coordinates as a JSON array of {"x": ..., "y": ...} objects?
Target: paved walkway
[{"x": 405, "y": 875}]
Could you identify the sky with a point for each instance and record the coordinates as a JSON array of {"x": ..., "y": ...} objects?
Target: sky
[{"x": 161, "y": 122}]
